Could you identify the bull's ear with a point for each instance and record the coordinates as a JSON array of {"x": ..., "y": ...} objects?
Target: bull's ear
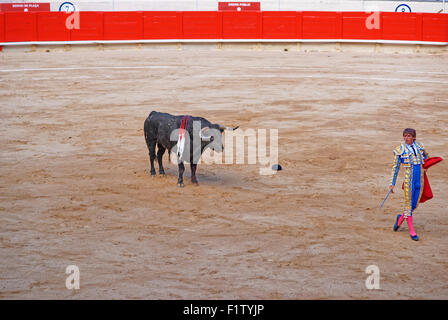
[{"x": 203, "y": 136}]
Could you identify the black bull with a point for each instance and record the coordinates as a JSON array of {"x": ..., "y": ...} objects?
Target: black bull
[{"x": 162, "y": 129}]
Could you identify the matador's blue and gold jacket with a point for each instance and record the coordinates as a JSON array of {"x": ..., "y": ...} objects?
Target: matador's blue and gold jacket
[{"x": 408, "y": 155}]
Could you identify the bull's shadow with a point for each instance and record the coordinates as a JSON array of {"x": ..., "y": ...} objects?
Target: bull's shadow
[{"x": 212, "y": 174}]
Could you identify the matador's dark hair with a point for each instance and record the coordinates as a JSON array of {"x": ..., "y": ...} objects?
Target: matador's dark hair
[{"x": 411, "y": 131}]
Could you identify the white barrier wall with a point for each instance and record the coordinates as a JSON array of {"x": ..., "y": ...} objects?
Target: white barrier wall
[{"x": 274, "y": 5}]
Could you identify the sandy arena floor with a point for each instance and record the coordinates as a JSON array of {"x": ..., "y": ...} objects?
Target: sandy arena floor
[{"x": 76, "y": 189}]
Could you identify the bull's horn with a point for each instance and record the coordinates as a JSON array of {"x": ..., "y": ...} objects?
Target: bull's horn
[{"x": 228, "y": 128}]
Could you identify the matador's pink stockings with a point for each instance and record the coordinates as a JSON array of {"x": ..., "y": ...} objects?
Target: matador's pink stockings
[{"x": 411, "y": 227}]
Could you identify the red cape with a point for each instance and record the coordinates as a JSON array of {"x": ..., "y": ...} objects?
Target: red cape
[{"x": 427, "y": 192}]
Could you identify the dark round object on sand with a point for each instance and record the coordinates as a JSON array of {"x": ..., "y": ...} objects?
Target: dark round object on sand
[{"x": 276, "y": 167}]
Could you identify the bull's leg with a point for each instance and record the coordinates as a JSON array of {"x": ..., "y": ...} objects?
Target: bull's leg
[
  {"x": 152, "y": 155},
  {"x": 180, "y": 181},
  {"x": 160, "y": 151},
  {"x": 193, "y": 173}
]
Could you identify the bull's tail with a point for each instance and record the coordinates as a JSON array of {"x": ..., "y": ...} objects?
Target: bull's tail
[
  {"x": 145, "y": 131},
  {"x": 146, "y": 128}
]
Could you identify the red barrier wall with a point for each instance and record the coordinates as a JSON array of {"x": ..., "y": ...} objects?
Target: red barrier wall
[
  {"x": 91, "y": 27},
  {"x": 282, "y": 25},
  {"x": 241, "y": 25},
  {"x": 402, "y": 26},
  {"x": 435, "y": 27},
  {"x": 132, "y": 25},
  {"x": 20, "y": 26},
  {"x": 51, "y": 26},
  {"x": 321, "y": 25},
  {"x": 126, "y": 25},
  {"x": 202, "y": 25},
  {"x": 162, "y": 25},
  {"x": 354, "y": 26},
  {"x": 2, "y": 27}
]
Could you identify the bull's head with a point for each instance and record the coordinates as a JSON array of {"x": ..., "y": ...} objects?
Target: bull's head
[{"x": 211, "y": 137}]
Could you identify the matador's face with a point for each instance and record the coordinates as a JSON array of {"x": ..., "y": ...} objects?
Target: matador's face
[{"x": 408, "y": 138}]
